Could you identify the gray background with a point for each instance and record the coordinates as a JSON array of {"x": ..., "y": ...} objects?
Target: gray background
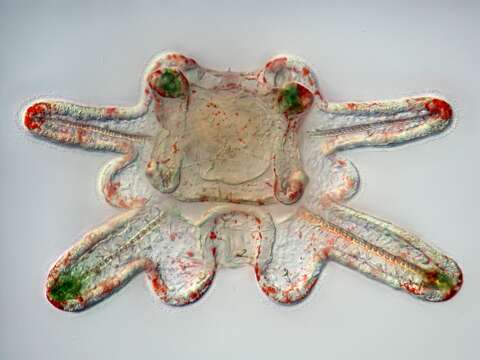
[{"x": 95, "y": 52}]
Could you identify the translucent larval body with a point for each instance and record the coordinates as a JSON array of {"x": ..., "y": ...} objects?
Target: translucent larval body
[{"x": 245, "y": 139}]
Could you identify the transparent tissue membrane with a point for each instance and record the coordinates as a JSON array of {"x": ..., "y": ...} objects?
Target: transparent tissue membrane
[{"x": 236, "y": 150}]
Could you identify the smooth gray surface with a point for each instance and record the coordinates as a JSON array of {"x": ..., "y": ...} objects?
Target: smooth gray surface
[{"x": 95, "y": 52}]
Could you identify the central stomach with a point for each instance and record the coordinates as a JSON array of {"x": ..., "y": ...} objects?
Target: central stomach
[{"x": 230, "y": 138}]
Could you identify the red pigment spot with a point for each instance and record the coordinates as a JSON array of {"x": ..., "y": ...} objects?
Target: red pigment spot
[
  {"x": 194, "y": 295},
  {"x": 111, "y": 189},
  {"x": 257, "y": 220},
  {"x": 305, "y": 71},
  {"x": 352, "y": 106},
  {"x": 213, "y": 235},
  {"x": 214, "y": 251},
  {"x": 295, "y": 190},
  {"x": 440, "y": 108},
  {"x": 190, "y": 253},
  {"x": 269, "y": 290},
  {"x": 58, "y": 304},
  {"x": 411, "y": 289},
  {"x": 181, "y": 58},
  {"x": 174, "y": 148},
  {"x": 276, "y": 63},
  {"x": 149, "y": 168},
  {"x": 81, "y": 300},
  {"x": 257, "y": 272},
  {"x": 349, "y": 182},
  {"x": 108, "y": 286},
  {"x": 109, "y": 111},
  {"x": 35, "y": 115},
  {"x": 158, "y": 285},
  {"x": 81, "y": 135},
  {"x": 122, "y": 203},
  {"x": 306, "y": 97},
  {"x": 208, "y": 282},
  {"x": 260, "y": 202},
  {"x": 151, "y": 82},
  {"x": 431, "y": 276}
]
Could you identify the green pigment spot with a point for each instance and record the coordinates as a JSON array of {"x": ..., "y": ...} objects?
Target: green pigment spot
[
  {"x": 68, "y": 286},
  {"x": 170, "y": 83},
  {"x": 443, "y": 282},
  {"x": 290, "y": 100}
]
